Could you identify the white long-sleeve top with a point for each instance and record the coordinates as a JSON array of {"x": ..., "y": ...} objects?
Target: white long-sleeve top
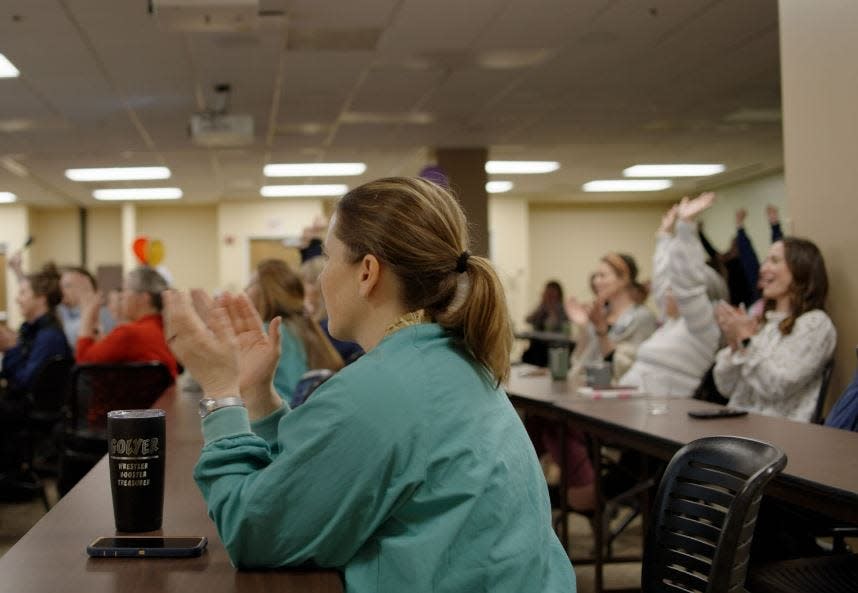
[
  {"x": 675, "y": 358},
  {"x": 779, "y": 375}
]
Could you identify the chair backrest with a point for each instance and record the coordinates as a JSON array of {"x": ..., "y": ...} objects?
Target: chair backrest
[
  {"x": 50, "y": 387},
  {"x": 99, "y": 388},
  {"x": 703, "y": 519},
  {"x": 827, "y": 371}
]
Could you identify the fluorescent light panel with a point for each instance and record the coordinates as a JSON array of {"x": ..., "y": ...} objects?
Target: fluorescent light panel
[
  {"x": 118, "y": 174},
  {"x": 7, "y": 69},
  {"x": 498, "y": 187},
  {"x": 7, "y": 197},
  {"x": 673, "y": 170},
  {"x": 314, "y": 169},
  {"x": 618, "y": 185},
  {"x": 521, "y": 167},
  {"x": 303, "y": 191},
  {"x": 139, "y": 193}
]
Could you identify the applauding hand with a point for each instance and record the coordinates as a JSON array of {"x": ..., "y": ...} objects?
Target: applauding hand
[
  {"x": 689, "y": 209},
  {"x": 577, "y": 312},
  {"x": 735, "y": 324},
  {"x": 228, "y": 353}
]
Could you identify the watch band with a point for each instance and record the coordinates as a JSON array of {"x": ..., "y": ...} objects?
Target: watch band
[{"x": 209, "y": 405}]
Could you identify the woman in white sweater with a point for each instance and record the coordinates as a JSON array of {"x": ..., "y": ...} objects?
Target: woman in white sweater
[
  {"x": 676, "y": 357},
  {"x": 776, "y": 369}
]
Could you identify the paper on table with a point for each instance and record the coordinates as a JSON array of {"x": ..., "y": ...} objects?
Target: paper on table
[{"x": 619, "y": 392}]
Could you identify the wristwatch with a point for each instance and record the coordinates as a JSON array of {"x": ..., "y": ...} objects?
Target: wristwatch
[{"x": 209, "y": 405}]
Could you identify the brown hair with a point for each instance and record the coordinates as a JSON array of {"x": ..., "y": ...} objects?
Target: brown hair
[
  {"x": 809, "y": 287},
  {"x": 418, "y": 229},
  {"x": 626, "y": 267},
  {"x": 281, "y": 292},
  {"x": 46, "y": 283}
]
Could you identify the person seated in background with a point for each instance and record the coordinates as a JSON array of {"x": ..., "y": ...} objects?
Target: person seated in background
[
  {"x": 409, "y": 470},
  {"x": 276, "y": 291},
  {"x": 314, "y": 304},
  {"x": 776, "y": 368},
  {"x": 40, "y": 339},
  {"x": 612, "y": 327},
  {"x": 78, "y": 285},
  {"x": 674, "y": 359},
  {"x": 141, "y": 337},
  {"x": 549, "y": 316}
]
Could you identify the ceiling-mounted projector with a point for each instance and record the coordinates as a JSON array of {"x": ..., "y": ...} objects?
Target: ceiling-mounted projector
[
  {"x": 221, "y": 131},
  {"x": 215, "y": 128}
]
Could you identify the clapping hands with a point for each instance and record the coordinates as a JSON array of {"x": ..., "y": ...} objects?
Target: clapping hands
[
  {"x": 735, "y": 324},
  {"x": 223, "y": 345}
]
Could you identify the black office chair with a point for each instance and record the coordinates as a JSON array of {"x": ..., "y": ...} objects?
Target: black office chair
[
  {"x": 827, "y": 371},
  {"x": 699, "y": 538},
  {"x": 97, "y": 389},
  {"x": 48, "y": 395},
  {"x": 30, "y": 441}
]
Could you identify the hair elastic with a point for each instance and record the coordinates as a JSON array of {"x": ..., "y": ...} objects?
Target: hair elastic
[{"x": 462, "y": 262}]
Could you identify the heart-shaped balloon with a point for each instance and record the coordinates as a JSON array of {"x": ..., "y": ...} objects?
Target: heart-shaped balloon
[
  {"x": 140, "y": 246},
  {"x": 154, "y": 252}
]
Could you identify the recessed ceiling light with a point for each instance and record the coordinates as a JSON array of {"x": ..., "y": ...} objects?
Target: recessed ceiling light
[
  {"x": 498, "y": 187},
  {"x": 673, "y": 170},
  {"x": 7, "y": 197},
  {"x": 303, "y": 191},
  {"x": 626, "y": 185},
  {"x": 314, "y": 169},
  {"x": 118, "y": 174},
  {"x": 521, "y": 167},
  {"x": 138, "y": 193},
  {"x": 7, "y": 69}
]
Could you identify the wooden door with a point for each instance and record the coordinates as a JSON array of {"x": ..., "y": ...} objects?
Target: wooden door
[{"x": 261, "y": 249}]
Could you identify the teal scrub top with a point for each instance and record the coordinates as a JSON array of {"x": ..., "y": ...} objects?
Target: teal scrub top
[
  {"x": 292, "y": 364},
  {"x": 408, "y": 470}
]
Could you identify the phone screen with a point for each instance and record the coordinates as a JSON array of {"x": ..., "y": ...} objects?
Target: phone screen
[{"x": 147, "y": 542}]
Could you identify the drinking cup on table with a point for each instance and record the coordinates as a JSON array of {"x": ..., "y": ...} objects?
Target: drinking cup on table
[
  {"x": 136, "y": 443},
  {"x": 558, "y": 361},
  {"x": 657, "y": 389},
  {"x": 599, "y": 374}
]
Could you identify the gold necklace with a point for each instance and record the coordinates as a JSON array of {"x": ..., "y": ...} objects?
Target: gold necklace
[{"x": 409, "y": 319}]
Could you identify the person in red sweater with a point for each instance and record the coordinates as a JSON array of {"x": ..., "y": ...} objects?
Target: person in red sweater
[{"x": 139, "y": 339}]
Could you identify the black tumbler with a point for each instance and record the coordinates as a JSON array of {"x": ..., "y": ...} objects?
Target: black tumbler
[{"x": 135, "y": 442}]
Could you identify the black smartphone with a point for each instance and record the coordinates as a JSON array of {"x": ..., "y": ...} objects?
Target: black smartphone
[
  {"x": 719, "y": 413},
  {"x": 145, "y": 546}
]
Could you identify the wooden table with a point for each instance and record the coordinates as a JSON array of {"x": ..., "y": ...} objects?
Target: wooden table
[
  {"x": 821, "y": 473},
  {"x": 51, "y": 557}
]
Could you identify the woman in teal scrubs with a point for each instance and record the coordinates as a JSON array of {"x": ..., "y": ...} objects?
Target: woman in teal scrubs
[{"x": 409, "y": 470}]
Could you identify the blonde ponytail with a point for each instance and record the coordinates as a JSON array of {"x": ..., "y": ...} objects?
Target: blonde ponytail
[{"x": 419, "y": 231}]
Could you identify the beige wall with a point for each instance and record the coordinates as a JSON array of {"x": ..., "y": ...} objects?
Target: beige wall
[
  {"x": 509, "y": 250},
  {"x": 14, "y": 229},
  {"x": 238, "y": 222},
  {"x": 567, "y": 241},
  {"x": 820, "y": 91},
  {"x": 753, "y": 196},
  {"x": 56, "y": 234},
  {"x": 189, "y": 235}
]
